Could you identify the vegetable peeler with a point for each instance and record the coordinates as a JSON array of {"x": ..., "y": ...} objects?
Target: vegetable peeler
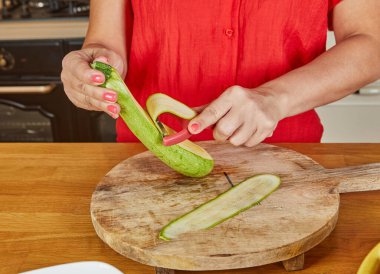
[
  {"x": 178, "y": 137},
  {"x": 161, "y": 103}
]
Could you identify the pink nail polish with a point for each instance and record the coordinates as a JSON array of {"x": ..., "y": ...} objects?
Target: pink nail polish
[
  {"x": 102, "y": 59},
  {"x": 195, "y": 127},
  {"x": 97, "y": 78},
  {"x": 112, "y": 109},
  {"x": 109, "y": 96}
]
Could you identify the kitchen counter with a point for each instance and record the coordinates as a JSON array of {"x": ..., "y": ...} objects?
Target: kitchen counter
[
  {"x": 43, "y": 29},
  {"x": 45, "y": 193}
]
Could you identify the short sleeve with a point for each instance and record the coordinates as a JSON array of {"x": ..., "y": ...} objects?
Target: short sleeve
[{"x": 332, "y": 4}]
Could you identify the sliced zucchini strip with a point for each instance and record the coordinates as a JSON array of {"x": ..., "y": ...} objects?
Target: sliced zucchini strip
[{"x": 239, "y": 198}]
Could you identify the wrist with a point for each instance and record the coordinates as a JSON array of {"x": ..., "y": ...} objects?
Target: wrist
[
  {"x": 93, "y": 46},
  {"x": 278, "y": 99}
]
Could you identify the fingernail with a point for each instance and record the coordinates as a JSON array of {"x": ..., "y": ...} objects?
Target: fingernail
[
  {"x": 112, "y": 109},
  {"x": 101, "y": 59},
  {"x": 109, "y": 96},
  {"x": 97, "y": 78},
  {"x": 195, "y": 127}
]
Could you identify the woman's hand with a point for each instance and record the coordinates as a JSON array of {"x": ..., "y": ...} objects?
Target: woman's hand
[
  {"x": 242, "y": 116},
  {"x": 81, "y": 81}
]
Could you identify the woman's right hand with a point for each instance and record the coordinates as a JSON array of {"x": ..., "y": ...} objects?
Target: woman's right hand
[{"x": 81, "y": 82}]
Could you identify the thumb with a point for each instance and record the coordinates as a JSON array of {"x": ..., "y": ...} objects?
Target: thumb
[
  {"x": 102, "y": 59},
  {"x": 111, "y": 58}
]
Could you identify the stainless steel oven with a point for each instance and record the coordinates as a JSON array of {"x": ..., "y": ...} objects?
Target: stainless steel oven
[
  {"x": 33, "y": 112},
  {"x": 33, "y": 105}
]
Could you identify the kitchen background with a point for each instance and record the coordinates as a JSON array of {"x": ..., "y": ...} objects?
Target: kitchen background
[{"x": 34, "y": 37}]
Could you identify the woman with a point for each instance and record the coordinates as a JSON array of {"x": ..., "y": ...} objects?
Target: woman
[{"x": 259, "y": 66}]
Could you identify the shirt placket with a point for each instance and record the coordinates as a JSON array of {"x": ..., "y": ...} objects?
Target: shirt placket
[{"x": 231, "y": 37}]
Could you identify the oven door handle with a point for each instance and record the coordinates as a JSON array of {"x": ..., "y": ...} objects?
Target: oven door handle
[{"x": 27, "y": 89}]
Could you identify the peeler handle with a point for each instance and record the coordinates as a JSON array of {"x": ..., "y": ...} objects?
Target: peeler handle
[{"x": 178, "y": 137}]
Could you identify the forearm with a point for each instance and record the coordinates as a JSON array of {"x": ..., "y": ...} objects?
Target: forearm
[
  {"x": 107, "y": 26},
  {"x": 338, "y": 72},
  {"x": 352, "y": 63}
]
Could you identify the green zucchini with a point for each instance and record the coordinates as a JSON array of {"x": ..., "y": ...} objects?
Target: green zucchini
[
  {"x": 237, "y": 199},
  {"x": 186, "y": 158}
]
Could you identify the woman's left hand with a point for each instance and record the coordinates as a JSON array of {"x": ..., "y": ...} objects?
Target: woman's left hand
[{"x": 242, "y": 116}]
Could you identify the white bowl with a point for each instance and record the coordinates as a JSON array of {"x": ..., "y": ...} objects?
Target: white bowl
[{"x": 77, "y": 268}]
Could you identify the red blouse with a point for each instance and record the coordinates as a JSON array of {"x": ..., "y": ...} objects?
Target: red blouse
[{"x": 193, "y": 50}]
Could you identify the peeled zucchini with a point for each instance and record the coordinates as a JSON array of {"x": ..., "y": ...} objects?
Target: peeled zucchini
[{"x": 186, "y": 158}]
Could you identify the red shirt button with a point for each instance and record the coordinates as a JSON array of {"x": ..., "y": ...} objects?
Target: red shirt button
[{"x": 229, "y": 32}]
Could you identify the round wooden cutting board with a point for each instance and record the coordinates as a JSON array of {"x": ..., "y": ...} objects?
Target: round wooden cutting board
[{"x": 139, "y": 196}]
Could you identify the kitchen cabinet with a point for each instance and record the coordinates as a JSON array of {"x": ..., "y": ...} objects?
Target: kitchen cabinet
[{"x": 353, "y": 119}]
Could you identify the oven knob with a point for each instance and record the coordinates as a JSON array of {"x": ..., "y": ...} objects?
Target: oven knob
[
  {"x": 3, "y": 62},
  {"x": 7, "y": 61}
]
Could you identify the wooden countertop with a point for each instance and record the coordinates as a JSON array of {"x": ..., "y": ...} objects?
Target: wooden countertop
[
  {"x": 45, "y": 193},
  {"x": 43, "y": 29}
]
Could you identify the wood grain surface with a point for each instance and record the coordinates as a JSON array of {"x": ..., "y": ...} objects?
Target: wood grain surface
[
  {"x": 45, "y": 194},
  {"x": 140, "y": 195}
]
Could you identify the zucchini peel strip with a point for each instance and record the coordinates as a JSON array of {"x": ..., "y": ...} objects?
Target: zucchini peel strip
[
  {"x": 226, "y": 205},
  {"x": 160, "y": 103}
]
